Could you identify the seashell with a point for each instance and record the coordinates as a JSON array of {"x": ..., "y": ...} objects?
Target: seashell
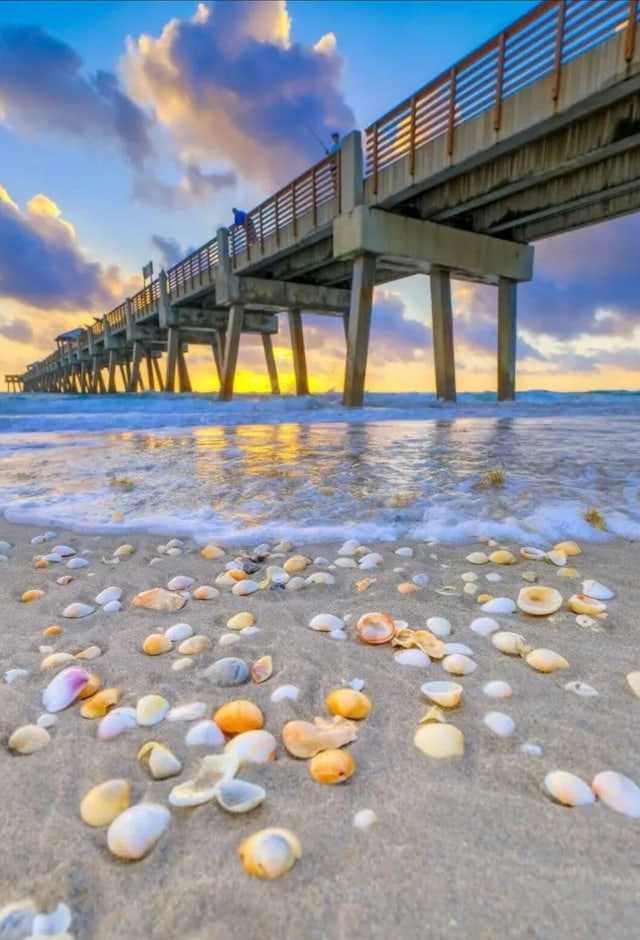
[
  {"x": 513, "y": 644},
  {"x": 633, "y": 678},
  {"x": 458, "y": 665},
  {"x": 357, "y": 684},
  {"x": 596, "y": 590},
  {"x": 212, "y": 551},
  {"x": 77, "y": 611},
  {"x": 190, "y": 712},
  {"x": 99, "y": 704},
  {"x": 151, "y": 710},
  {"x": 205, "y": 733},
  {"x": 499, "y": 605},
  {"x": 477, "y": 558},
  {"x": 470, "y": 589},
  {"x": 350, "y": 547},
  {"x": 323, "y": 577},
  {"x": 32, "y": 595},
  {"x": 338, "y": 635},
  {"x": 243, "y": 588},
  {"x": 53, "y": 630},
  {"x": 617, "y": 792},
  {"x": 446, "y": 694},
  {"x": 270, "y": 853},
  {"x": 91, "y": 652},
  {"x": 304, "y": 739},
  {"x": 404, "y": 552},
  {"x": 123, "y": 550},
  {"x": 345, "y": 563},
  {"x": 581, "y": 604},
  {"x": 12, "y": 674},
  {"x": 51, "y": 559},
  {"x": 56, "y": 659},
  {"x": 371, "y": 560},
  {"x": 91, "y": 687},
  {"x": 76, "y": 563},
  {"x": 543, "y": 660},
  {"x": 16, "y": 920},
  {"x": 54, "y": 924},
  {"x": 64, "y": 688},
  {"x": 503, "y": 557},
  {"x": 375, "y": 628},
  {"x": 181, "y": 664},
  {"x": 112, "y": 607},
  {"x": 412, "y": 657},
  {"x": 581, "y": 688},
  {"x": 229, "y": 639},
  {"x": 101, "y": 805},
  {"x": 111, "y": 561},
  {"x": 568, "y": 573},
  {"x": 332, "y": 766},
  {"x": 206, "y": 593},
  {"x": 439, "y": 626},
  {"x": 531, "y": 750},
  {"x": 568, "y": 548},
  {"x": 493, "y": 576},
  {"x": 28, "y": 739},
  {"x": 156, "y": 643},
  {"x": 159, "y": 760},
  {"x": 284, "y": 692},
  {"x": 228, "y": 672},
  {"x": 262, "y": 669},
  {"x": 214, "y": 769},
  {"x": 238, "y": 716},
  {"x": 326, "y": 623},
  {"x": 115, "y": 722},
  {"x": 484, "y": 626},
  {"x": 532, "y": 554},
  {"x": 46, "y": 721},
  {"x": 498, "y": 689},
  {"x": 253, "y": 747},
  {"x": 469, "y": 576},
  {"x": 501, "y": 724},
  {"x": 159, "y": 599},
  {"x": 178, "y": 632},
  {"x": 63, "y": 550},
  {"x": 241, "y": 620},
  {"x": 439, "y": 740},
  {"x": 451, "y": 648},
  {"x": 224, "y": 579},
  {"x": 109, "y": 594},
  {"x": 296, "y": 584},
  {"x": 364, "y": 819},
  {"x": 65, "y": 579},
  {"x": 348, "y": 703},
  {"x": 194, "y": 645},
  {"x": 296, "y": 563},
  {"x": 237, "y": 574},
  {"x": 448, "y": 590},
  {"x": 556, "y": 558},
  {"x": 181, "y": 582},
  {"x": 174, "y": 551},
  {"x": 239, "y": 796},
  {"x": 134, "y": 832},
  {"x": 539, "y": 601},
  {"x": 408, "y": 587},
  {"x": 568, "y": 789}
]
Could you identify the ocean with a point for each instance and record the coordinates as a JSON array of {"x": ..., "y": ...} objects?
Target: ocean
[{"x": 260, "y": 468}]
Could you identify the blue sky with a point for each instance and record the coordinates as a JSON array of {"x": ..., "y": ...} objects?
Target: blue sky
[{"x": 125, "y": 161}]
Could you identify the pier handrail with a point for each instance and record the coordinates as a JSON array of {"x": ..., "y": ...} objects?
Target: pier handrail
[
  {"x": 539, "y": 43},
  {"x": 194, "y": 265}
]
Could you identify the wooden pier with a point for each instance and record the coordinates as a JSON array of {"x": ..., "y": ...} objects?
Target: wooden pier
[{"x": 13, "y": 383}]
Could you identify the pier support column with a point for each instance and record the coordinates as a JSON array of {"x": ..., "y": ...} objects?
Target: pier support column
[
  {"x": 299, "y": 355},
  {"x": 234, "y": 329},
  {"x": 507, "y": 302},
  {"x": 173, "y": 347},
  {"x": 362, "y": 284},
  {"x": 442, "y": 318},
  {"x": 218, "y": 354},
  {"x": 151, "y": 380},
  {"x": 183, "y": 373},
  {"x": 113, "y": 361},
  {"x": 159, "y": 378},
  {"x": 135, "y": 367},
  {"x": 271, "y": 363}
]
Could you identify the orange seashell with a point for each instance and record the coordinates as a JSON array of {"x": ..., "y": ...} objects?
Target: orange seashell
[
  {"x": 484, "y": 598},
  {"x": 238, "y": 716},
  {"x": 348, "y": 703},
  {"x": 33, "y": 595},
  {"x": 332, "y": 766},
  {"x": 237, "y": 574},
  {"x": 91, "y": 687},
  {"x": 156, "y": 643},
  {"x": 375, "y": 628},
  {"x": 408, "y": 587},
  {"x": 364, "y": 583},
  {"x": 262, "y": 669},
  {"x": 53, "y": 630},
  {"x": 41, "y": 563},
  {"x": 99, "y": 704},
  {"x": 304, "y": 739}
]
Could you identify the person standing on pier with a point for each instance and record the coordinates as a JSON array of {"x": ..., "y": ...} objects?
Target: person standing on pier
[{"x": 240, "y": 218}]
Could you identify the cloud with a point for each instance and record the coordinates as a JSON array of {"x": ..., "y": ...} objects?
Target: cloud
[
  {"x": 170, "y": 250},
  {"x": 231, "y": 83},
  {"x": 16, "y": 330},
  {"x": 44, "y": 87},
  {"x": 194, "y": 188}
]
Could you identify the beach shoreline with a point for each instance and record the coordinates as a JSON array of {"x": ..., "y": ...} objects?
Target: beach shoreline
[{"x": 469, "y": 846}]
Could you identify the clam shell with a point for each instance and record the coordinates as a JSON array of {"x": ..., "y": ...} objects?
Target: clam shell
[
  {"x": 633, "y": 678},
  {"x": 239, "y": 796},
  {"x": 596, "y": 590},
  {"x": 581, "y": 604},
  {"x": 243, "y": 588},
  {"x": 159, "y": 760},
  {"x": 16, "y": 920},
  {"x": 326, "y": 623},
  {"x": 544, "y": 660},
  {"x": 296, "y": 563},
  {"x": 569, "y": 548},
  {"x": 56, "y": 659},
  {"x": 262, "y": 669},
  {"x": 270, "y": 853},
  {"x": 484, "y": 626},
  {"x": 151, "y": 710},
  {"x": 304, "y": 739},
  {"x": 238, "y": 716},
  {"x": 284, "y": 692},
  {"x": 76, "y": 563},
  {"x": 206, "y": 592},
  {"x": 64, "y": 688},
  {"x": 539, "y": 601},
  {"x": 134, "y": 832},
  {"x": 323, "y": 577},
  {"x": 32, "y": 595},
  {"x": 65, "y": 551},
  {"x": 108, "y": 595},
  {"x": 213, "y": 769},
  {"x": 205, "y": 733},
  {"x": 568, "y": 789},
  {"x": 54, "y": 924},
  {"x": 112, "y": 607},
  {"x": 99, "y": 704},
  {"x": 252, "y": 747},
  {"x": 101, "y": 805},
  {"x": 241, "y": 620},
  {"x": 412, "y": 657},
  {"x": 228, "y": 672},
  {"x": 462, "y": 648},
  {"x": 178, "y": 632},
  {"x": 439, "y": 740},
  {"x": 458, "y": 665},
  {"x": 194, "y": 645},
  {"x": 89, "y": 653},
  {"x": 375, "y": 628},
  {"x": 499, "y": 605},
  {"x": 332, "y": 766},
  {"x": 507, "y": 642},
  {"x": 348, "y": 703},
  {"x": 617, "y": 792},
  {"x": 156, "y": 643},
  {"x": 439, "y": 626},
  {"x": 477, "y": 558},
  {"x": 159, "y": 599},
  {"x": 532, "y": 554},
  {"x": 77, "y": 611},
  {"x": 556, "y": 558},
  {"x": 446, "y": 694},
  {"x": 502, "y": 725},
  {"x": 503, "y": 557},
  {"x": 212, "y": 551},
  {"x": 27, "y": 739},
  {"x": 497, "y": 689},
  {"x": 181, "y": 582},
  {"x": 192, "y": 711},
  {"x": 115, "y": 722}
]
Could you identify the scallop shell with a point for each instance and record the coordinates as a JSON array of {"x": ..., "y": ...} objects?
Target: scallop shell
[
  {"x": 539, "y": 601},
  {"x": 27, "y": 739},
  {"x": 332, "y": 766},
  {"x": 115, "y": 722},
  {"x": 499, "y": 605},
  {"x": 439, "y": 740},
  {"x": 101, "y": 805},
  {"x": 596, "y": 590},
  {"x": 375, "y": 628},
  {"x": 270, "y": 853},
  {"x": 617, "y": 792},
  {"x": 304, "y": 739},
  {"x": 151, "y": 710},
  {"x": 502, "y": 725},
  {"x": 64, "y": 688},
  {"x": 252, "y": 747},
  {"x": 134, "y": 832},
  {"x": 348, "y": 703},
  {"x": 581, "y": 604},
  {"x": 262, "y": 669},
  {"x": 238, "y": 716},
  {"x": 159, "y": 760},
  {"x": 156, "y": 643},
  {"x": 179, "y": 632},
  {"x": 77, "y": 611},
  {"x": 99, "y": 704},
  {"x": 497, "y": 689},
  {"x": 202, "y": 789},
  {"x": 239, "y": 796},
  {"x": 446, "y": 694},
  {"x": 544, "y": 660},
  {"x": 510, "y": 643},
  {"x": 459, "y": 665},
  {"x": 159, "y": 599},
  {"x": 568, "y": 789},
  {"x": 326, "y": 623},
  {"x": 205, "y": 733}
]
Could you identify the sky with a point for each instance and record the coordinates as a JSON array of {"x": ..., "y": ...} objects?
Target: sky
[{"x": 128, "y": 130}]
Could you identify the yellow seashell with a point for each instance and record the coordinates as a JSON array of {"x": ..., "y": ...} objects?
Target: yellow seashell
[
  {"x": 296, "y": 563},
  {"x": 241, "y": 620},
  {"x": 41, "y": 563},
  {"x": 556, "y": 558},
  {"x": 237, "y": 574},
  {"x": 156, "y": 643},
  {"x": 348, "y": 703},
  {"x": 28, "y": 739},
  {"x": 91, "y": 687},
  {"x": 484, "y": 598},
  {"x": 364, "y": 583},
  {"x": 159, "y": 599},
  {"x": 159, "y": 760},
  {"x": 33, "y": 595},
  {"x": 55, "y": 659},
  {"x": 53, "y": 630},
  {"x": 568, "y": 573},
  {"x": 123, "y": 550},
  {"x": 332, "y": 766},
  {"x": 99, "y": 704},
  {"x": 238, "y": 716},
  {"x": 539, "y": 601},
  {"x": 434, "y": 713},
  {"x": 569, "y": 548},
  {"x": 429, "y": 644},
  {"x": 446, "y": 694},
  {"x": 91, "y": 652},
  {"x": 194, "y": 645},
  {"x": 543, "y": 660},
  {"x": 103, "y": 803},
  {"x": 503, "y": 557},
  {"x": 581, "y": 604},
  {"x": 117, "y": 516},
  {"x": 408, "y": 587},
  {"x": 375, "y": 628},
  {"x": 304, "y": 739},
  {"x": 439, "y": 740},
  {"x": 262, "y": 669},
  {"x": 212, "y": 551},
  {"x": 270, "y": 853}
]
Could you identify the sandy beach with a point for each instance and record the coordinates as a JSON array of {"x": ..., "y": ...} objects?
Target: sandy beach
[{"x": 469, "y": 847}]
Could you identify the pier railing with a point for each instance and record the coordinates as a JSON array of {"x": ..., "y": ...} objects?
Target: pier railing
[
  {"x": 192, "y": 267},
  {"x": 538, "y": 44}
]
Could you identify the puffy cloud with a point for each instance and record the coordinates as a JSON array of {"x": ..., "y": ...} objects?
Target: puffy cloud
[
  {"x": 16, "y": 330},
  {"x": 194, "y": 188},
  {"x": 45, "y": 87},
  {"x": 170, "y": 250},
  {"x": 231, "y": 83}
]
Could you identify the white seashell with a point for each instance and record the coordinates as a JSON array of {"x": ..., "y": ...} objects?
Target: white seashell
[
  {"x": 499, "y": 605},
  {"x": 249, "y": 631},
  {"x": 123, "y": 550},
  {"x": 321, "y": 577},
  {"x": 617, "y": 792},
  {"x": 372, "y": 560},
  {"x": 134, "y": 832},
  {"x": 469, "y": 576},
  {"x": 581, "y": 604},
  {"x": 446, "y": 694},
  {"x": 411, "y": 657},
  {"x": 175, "y": 543},
  {"x": 462, "y": 648},
  {"x": 501, "y": 724},
  {"x": 357, "y": 684},
  {"x": 493, "y": 576},
  {"x": 633, "y": 678},
  {"x": 338, "y": 635},
  {"x": 56, "y": 659},
  {"x": 252, "y": 747},
  {"x": 470, "y": 589},
  {"x": 46, "y": 721},
  {"x": 439, "y": 626},
  {"x": 284, "y": 692},
  {"x": 484, "y": 626},
  {"x": 16, "y": 920},
  {"x": 530, "y": 749},
  {"x": 151, "y": 710},
  {"x": 205, "y": 733},
  {"x": 449, "y": 590},
  {"x": 420, "y": 579},
  {"x": 498, "y": 689},
  {"x": 477, "y": 558},
  {"x": 10, "y": 676},
  {"x": 507, "y": 642},
  {"x": 178, "y": 632},
  {"x": 581, "y": 688},
  {"x": 296, "y": 584},
  {"x": 162, "y": 762},
  {"x": 458, "y": 665},
  {"x": 116, "y": 721},
  {"x": 52, "y": 925},
  {"x": 556, "y": 558},
  {"x": 346, "y": 563},
  {"x": 404, "y": 552},
  {"x": 63, "y": 550},
  {"x": 76, "y": 563},
  {"x": 568, "y": 789},
  {"x": 544, "y": 660},
  {"x": 109, "y": 594},
  {"x": 192, "y": 711},
  {"x": 228, "y": 639},
  {"x": 180, "y": 583},
  {"x": 53, "y": 558},
  {"x": 153, "y": 561},
  {"x": 181, "y": 664},
  {"x": 112, "y": 607},
  {"x": 74, "y": 611},
  {"x": 28, "y": 739},
  {"x": 583, "y": 621},
  {"x": 597, "y": 590},
  {"x": 350, "y": 547},
  {"x": 532, "y": 554},
  {"x": 64, "y": 688},
  {"x": 539, "y": 601},
  {"x": 439, "y": 740},
  {"x": 239, "y": 796},
  {"x": 321, "y": 560},
  {"x": 202, "y": 789},
  {"x": 364, "y": 819},
  {"x": 243, "y": 588},
  {"x": 399, "y": 624},
  {"x": 326, "y": 623}
]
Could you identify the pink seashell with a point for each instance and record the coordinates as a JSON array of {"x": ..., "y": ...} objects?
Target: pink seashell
[{"x": 64, "y": 688}]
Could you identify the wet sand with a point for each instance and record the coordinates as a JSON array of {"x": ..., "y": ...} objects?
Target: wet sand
[{"x": 466, "y": 847}]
